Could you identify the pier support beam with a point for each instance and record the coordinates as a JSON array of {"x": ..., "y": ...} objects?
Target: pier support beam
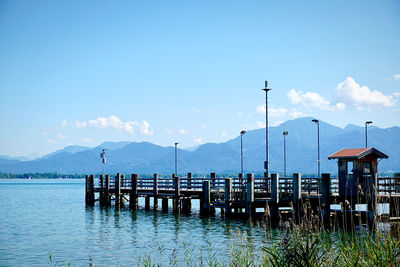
[
  {"x": 117, "y": 190},
  {"x": 102, "y": 190},
  {"x": 326, "y": 199},
  {"x": 107, "y": 197},
  {"x": 155, "y": 192},
  {"x": 186, "y": 205},
  {"x": 297, "y": 196},
  {"x": 164, "y": 204},
  {"x": 205, "y": 198},
  {"x": 177, "y": 198},
  {"x": 274, "y": 198},
  {"x": 250, "y": 209},
  {"x": 228, "y": 196},
  {"x": 189, "y": 181},
  {"x": 133, "y": 199}
]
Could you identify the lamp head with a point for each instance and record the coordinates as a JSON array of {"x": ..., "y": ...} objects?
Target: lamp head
[
  {"x": 176, "y": 144},
  {"x": 316, "y": 121},
  {"x": 285, "y": 133},
  {"x": 242, "y": 132},
  {"x": 368, "y": 122}
]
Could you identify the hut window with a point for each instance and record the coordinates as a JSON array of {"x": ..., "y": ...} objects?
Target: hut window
[
  {"x": 349, "y": 167},
  {"x": 366, "y": 167}
]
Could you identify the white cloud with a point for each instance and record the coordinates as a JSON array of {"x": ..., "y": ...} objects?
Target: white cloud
[
  {"x": 272, "y": 112},
  {"x": 312, "y": 99},
  {"x": 240, "y": 114},
  {"x": 80, "y": 125},
  {"x": 296, "y": 113},
  {"x": 277, "y": 123},
  {"x": 260, "y": 124},
  {"x": 358, "y": 96},
  {"x": 169, "y": 131},
  {"x": 396, "y": 76},
  {"x": 199, "y": 140},
  {"x": 194, "y": 109},
  {"x": 224, "y": 134},
  {"x": 183, "y": 131},
  {"x": 86, "y": 140},
  {"x": 64, "y": 123},
  {"x": 60, "y": 136},
  {"x": 115, "y": 123},
  {"x": 144, "y": 128},
  {"x": 396, "y": 94}
]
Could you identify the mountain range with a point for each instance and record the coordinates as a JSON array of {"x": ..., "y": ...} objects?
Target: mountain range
[{"x": 148, "y": 158}]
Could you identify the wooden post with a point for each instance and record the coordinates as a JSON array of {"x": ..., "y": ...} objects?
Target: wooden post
[
  {"x": 205, "y": 199},
  {"x": 147, "y": 203},
  {"x": 87, "y": 190},
  {"x": 117, "y": 190},
  {"x": 164, "y": 204},
  {"x": 186, "y": 205},
  {"x": 177, "y": 199},
  {"x": 274, "y": 197},
  {"x": 189, "y": 181},
  {"x": 155, "y": 192},
  {"x": 101, "y": 190},
  {"x": 372, "y": 201},
  {"x": 250, "y": 195},
  {"x": 213, "y": 179},
  {"x": 297, "y": 195},
  {"x": 394, "y": 201},
  {"x": 228, "y": 196},
  {"x": 107, "y": 200},
  {"x": 121, "y": 196},
  {"x": 326, "y": 198},
  {"x": 133, "y": 199}
]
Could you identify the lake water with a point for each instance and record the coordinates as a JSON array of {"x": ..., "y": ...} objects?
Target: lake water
[{"x": 40, "y": 217}]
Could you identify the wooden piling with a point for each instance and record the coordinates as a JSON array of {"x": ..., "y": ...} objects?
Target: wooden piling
[
  {"x": 274, "y": 197},
  {"x": 101, "y": 190},
  {"x": 394, "y": 201},
  {"x": 326, "y": 198},
  {"x": 186, "y": 205},
  {"x": 372, "y": 201},
  {"x": 121, "y": 196},
  {"x": 147, "y": 203},
  {"x": 107, "y": 200},
  {"x": 228, "y": 196},
  {"x": 87, "y": 190},
  {"x": 177, "y": 198},
  {"x": 213, "y": 178},
  {"x": 164, "y": 204},
  {"x": 117, "y": 190},
  {"x": 155, "y": 192},
  {"x": 189, "y": 181},
  {"x": 133, "y": 199},
  {"x": 297, "y": 196},
  {"x": 205, "y": 198},
  {"x": 250, "y": 210}
]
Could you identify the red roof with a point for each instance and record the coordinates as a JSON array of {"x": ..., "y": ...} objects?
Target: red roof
[{"x": 357, "y": 153}]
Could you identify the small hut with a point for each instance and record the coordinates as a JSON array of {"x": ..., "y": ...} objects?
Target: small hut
[{"x": 357, "y": 170}]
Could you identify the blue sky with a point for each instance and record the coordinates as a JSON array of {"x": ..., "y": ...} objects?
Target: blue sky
[{"x": 85, "y": 72}]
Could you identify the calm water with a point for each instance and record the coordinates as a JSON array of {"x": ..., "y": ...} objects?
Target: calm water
[{"x": 39, "y": 217}]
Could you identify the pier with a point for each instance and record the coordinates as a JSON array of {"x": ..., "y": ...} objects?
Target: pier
[{"x": 274, "y": 198}]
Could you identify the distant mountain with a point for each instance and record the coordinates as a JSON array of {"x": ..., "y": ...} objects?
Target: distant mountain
[{"x": 147, "y": 158}]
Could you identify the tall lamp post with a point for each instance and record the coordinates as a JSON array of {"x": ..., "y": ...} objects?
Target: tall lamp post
[
  {"x": 366, "y": 136},
  {"x": 241, "y": 151},
  {"x": 266, "y": 163},
  {"x": 319, "y": 161},
  {"x": 103, "y": 160},
  {"x": 284, "y": 152},
  {"x": 176, "y": 159}
]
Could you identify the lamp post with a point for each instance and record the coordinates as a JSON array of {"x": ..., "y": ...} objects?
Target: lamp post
[
  {"x": 176, "y": 159},
  {"x": 241, "y": 151},
  {"x": 266, "y": 163},
  {"x": 284, "y": 152},
  {"x": 103, "y": 160},
  {"x": 366, "y": 140},
  {"x": 319, "y": 161}
]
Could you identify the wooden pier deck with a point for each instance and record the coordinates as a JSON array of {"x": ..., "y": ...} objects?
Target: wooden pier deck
[{"x": 244, "y": 197}]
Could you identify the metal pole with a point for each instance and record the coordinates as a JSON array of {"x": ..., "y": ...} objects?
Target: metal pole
[
  {"x": 366, "y": 133},
  {"x": 319, "y": 159},
  {"x": 241, "y": 151},
  {"x": 284, "y": 152},
  {"x": 266, "y": 163},
  {"x": 176, "y": 160}
]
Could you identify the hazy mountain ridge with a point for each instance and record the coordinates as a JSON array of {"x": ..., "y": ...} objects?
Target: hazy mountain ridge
[{"x": 301, "y": 145}]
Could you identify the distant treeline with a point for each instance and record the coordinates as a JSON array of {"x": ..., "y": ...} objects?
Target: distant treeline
[{"x": 52, "y": 175}]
